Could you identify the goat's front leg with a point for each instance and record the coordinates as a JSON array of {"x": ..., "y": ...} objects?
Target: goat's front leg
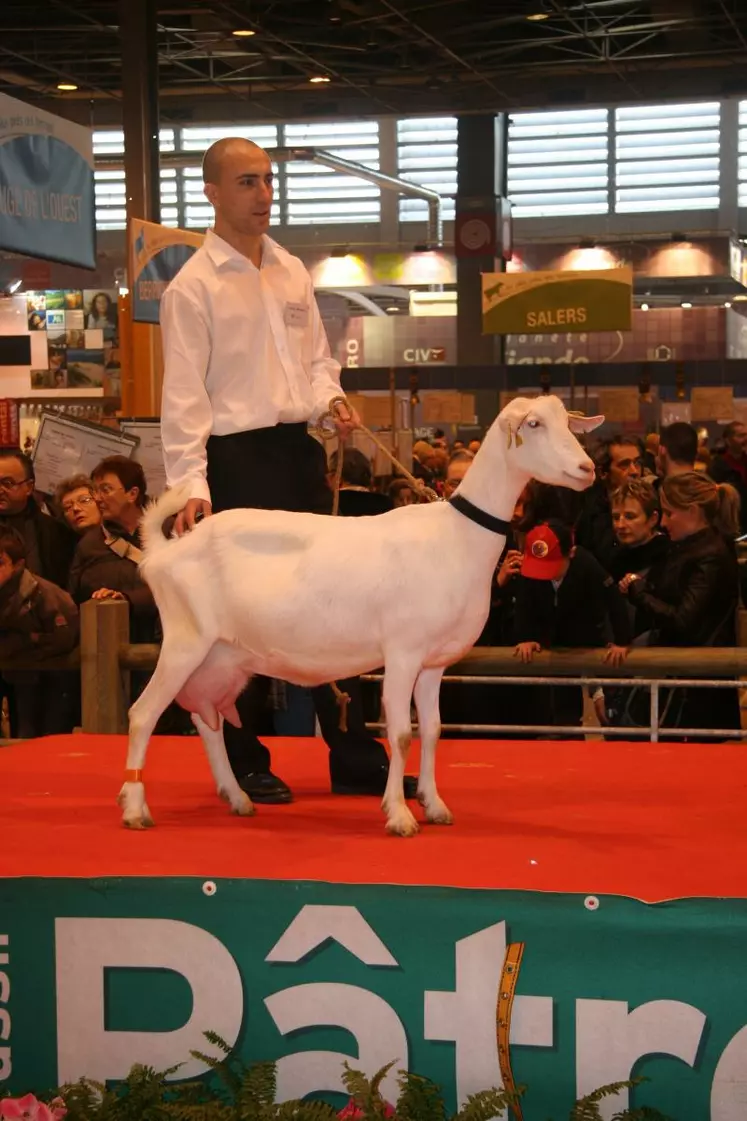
[
  {"x": 225, "y": 780},
  {"x": 175, "y": 664},
  {"x": 427, "y": 689},
  {"x": 398, "y": 684}
]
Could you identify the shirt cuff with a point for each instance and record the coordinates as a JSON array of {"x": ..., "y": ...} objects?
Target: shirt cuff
[{"x": 199, "y": 489}]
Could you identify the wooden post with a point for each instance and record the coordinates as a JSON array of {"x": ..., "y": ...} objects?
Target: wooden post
[{"x": 105, "y": 688}]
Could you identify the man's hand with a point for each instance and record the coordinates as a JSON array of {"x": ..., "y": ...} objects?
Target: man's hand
[
  {"x": 346, "y": 420},
  {"x": 186, "y": 518},
  {"x": 107, "y": 593},
  {"x": 525, "y": 651},
  {"x": 511, "y": 567},
  {"x": 615, "y": 655}
]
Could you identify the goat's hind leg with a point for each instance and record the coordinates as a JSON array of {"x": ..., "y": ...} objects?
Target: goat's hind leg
[
  {"x": 177, "y": 661},
  {"x": 225, "y": 780},
  {"x": 427, "y": 689}
]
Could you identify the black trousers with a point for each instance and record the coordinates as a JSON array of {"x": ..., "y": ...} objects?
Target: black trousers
[{"x": 284, "y": 468}]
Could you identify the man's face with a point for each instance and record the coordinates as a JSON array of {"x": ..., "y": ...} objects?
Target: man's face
[
  {"x": 625, "y": 463},
  {"x": 736, "y": 445},
  {"x": 242, "y": 197},
  {"x": 454, "y": 476},
  {"x": 15, "y": 487}
]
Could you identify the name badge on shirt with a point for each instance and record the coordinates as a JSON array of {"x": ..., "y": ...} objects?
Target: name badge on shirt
[{"x": 296, "y": 315}]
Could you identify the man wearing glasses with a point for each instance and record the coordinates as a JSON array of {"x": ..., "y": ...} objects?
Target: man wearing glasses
[{"x": 49, "y": 543}]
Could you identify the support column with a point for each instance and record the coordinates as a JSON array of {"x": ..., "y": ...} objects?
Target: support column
[
  {"x": 137, "y": 22},
  {"x": 481, "y": 181}
]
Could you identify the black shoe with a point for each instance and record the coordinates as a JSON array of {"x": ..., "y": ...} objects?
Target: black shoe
[
  {"x": 373, "y": 784},
  {"x": 266, "y": 788}
]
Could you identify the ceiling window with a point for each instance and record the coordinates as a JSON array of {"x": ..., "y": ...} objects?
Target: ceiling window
[
  {"x": 427, "y": 155},
  {"x": 558, "y": 163},
  {"x": 315, "y": 193},
  {"x": 667, "y": 157}
]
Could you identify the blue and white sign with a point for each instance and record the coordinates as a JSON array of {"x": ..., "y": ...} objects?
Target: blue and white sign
[{"x": 47, "y": 204}]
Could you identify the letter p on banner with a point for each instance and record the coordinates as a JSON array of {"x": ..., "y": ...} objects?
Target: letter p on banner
[{"x": 85, "y": 948}]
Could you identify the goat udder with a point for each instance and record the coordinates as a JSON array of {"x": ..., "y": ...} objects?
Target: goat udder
[{"x": 211, "y": 690}]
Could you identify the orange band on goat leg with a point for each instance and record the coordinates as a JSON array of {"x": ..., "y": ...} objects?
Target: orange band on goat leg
[{"x": 133, "y": 776}]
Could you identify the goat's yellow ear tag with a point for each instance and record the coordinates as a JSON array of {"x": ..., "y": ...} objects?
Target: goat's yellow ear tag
[
  {"x": 519, "y": 440},
  {"x": 510, "y": 435}
]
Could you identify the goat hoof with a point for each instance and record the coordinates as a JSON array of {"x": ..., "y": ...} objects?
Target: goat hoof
[
  {"x": 402, "y": 824},
  {"x": 135, "y": 823},
  {"x": 244, "y": 808},
  {"x": 441, "y": 816}
]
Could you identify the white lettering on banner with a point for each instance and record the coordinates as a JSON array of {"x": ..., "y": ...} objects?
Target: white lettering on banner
[
  {"x": 425, "y": 354},
  {"x": 610, "y": 1040},
  {"x": 6, "y": 1066},
  {"x": 57, "y": 207},
  {"x": 729, "y": 1089},
  {"x": 378, "y": 1031},
  {"x": 85, "y": 948},
  {"x": 467, "y": 1015},
  {"x": 314, "y": 925},
  {"x": 11, "y": 201},
  {"x": 352, "y": 347}
]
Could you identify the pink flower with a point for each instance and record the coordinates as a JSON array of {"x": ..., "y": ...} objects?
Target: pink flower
[
  {"x": 30, "y": 1109},
  {"x": 352, "y": 1113}
]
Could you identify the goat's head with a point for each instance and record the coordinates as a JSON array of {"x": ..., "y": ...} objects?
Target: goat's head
[{"x": 539, "y": 438}]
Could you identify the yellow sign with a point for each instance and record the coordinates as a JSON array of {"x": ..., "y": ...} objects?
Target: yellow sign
[{"x": 552, "y": 302}]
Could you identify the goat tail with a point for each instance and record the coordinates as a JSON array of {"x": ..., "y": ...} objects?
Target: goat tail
[{"x": 151, "y": 527}]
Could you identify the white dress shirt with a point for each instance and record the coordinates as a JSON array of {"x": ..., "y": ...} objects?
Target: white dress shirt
[{"x": 244, "y": 348}]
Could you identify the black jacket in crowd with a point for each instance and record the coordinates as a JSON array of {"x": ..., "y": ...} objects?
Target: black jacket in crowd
[
  {"x": 692, "y": 595},
  {"x": 586, "y": 610},
  {"x": 691, "y": 599},
  {"x": 50, "y": 544},
  {"x": 722, "y": 471},
  {"x": 594, "y": 529}
]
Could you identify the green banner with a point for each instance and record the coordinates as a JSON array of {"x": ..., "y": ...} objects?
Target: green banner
[
  {"x": 96, "y": 975},
  {"x": 557, "y": 302}
]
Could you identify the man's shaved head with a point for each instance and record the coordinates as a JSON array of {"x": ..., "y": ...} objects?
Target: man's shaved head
[
  {"x": 216, "y": 155},
  {"x": 239, "y": 186}
]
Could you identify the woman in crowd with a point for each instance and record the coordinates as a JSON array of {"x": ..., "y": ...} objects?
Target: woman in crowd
[
  {"x": 691, "y": 596},
  {"x": 101, "y": 314},
  {"x": 635, "y": 519},
  {"x": 75, "y": 499}
]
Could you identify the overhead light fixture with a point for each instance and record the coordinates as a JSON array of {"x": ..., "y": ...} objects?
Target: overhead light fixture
[
  {"x": 423, "y": 247},
  {"x": 243, "y": 33},
  {"x": 644, "y": 307},
  {"x": 340, "y": 251},
  {"x": 319, "y": 79},
  {"x": 686, "y": 304},
  {"x": 587, "y": 243},
  {"x": 66, "y": 86},
  {"x": 727, "y": 303},
  {"x": 391, "y": 309},
  {"x": 678, "y": 237},
  {"x": 537, "y": 17}
]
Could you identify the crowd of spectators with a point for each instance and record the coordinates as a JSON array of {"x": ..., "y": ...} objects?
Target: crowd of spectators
[{"x": 647, "y": 556}]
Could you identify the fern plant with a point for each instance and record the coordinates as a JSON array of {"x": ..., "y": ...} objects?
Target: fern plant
[{"x": 241, "y": 1092}]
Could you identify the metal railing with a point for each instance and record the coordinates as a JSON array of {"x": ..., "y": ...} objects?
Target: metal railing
[{"x": 106, "y": 658}]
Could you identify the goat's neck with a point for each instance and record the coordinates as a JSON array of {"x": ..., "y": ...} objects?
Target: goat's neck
[{"x": 494, "y": 482}]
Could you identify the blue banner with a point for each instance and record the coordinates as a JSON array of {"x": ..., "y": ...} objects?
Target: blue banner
[
  {"x": 156, "y": 255},
  {"x": 47, "y": 203}
]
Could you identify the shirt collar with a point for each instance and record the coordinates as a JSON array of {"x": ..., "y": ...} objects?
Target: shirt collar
[{"x": 221, "y": 253}]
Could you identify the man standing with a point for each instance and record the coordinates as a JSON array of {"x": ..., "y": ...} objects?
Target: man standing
[
  {"x": 731, "y": 465},
  {"x": 247, "y": 367},
  {"x": 618, "y": 460},
  {"x": 678, "y": 448}
]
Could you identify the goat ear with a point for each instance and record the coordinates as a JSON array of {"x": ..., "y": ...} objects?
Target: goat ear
[{"x": 578, "y": 423}]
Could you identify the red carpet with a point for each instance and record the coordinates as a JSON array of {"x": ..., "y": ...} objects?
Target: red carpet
[{"x": 650, "y": 821}]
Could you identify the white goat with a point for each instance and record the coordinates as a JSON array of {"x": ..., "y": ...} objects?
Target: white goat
[{"x": 312, "y": 599}]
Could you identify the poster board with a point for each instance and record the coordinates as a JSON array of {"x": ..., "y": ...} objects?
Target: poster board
[
  {"x": 448, "y": 406},
  {"x": 621, "y": 405},
  {"x": 712, "y": 403},
  {"x": 66, "y": 447},
  {"x": 149, "y": 451}
]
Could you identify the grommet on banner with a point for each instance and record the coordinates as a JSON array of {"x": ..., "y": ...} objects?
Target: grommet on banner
[
  {"x": 591, "y": 903},
  {"x": 209, "y": 887}
]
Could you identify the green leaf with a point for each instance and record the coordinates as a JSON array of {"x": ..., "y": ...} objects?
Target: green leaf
[
  {"x": 419, "y": 1099},
  {"x": 488, "y": 1104},
  {"x": 587, "y": 1109}
]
